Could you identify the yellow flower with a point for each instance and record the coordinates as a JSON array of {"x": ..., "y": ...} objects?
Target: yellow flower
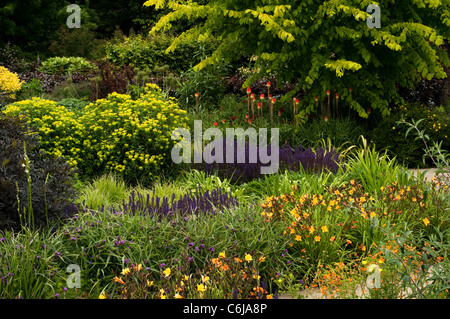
[
  {"x": 149, "y": 283},
  {"x": 362, "y": 199},
  {"x": 166, "y": 272},
  {"x": 102, "y": 295},
  {"x": 298, "y": 238},
  {"x": 205, "y": 278},
  {"x": 222, "y": 254},
  {"x": 312, "y": 229},
  {"x": 178, "y": 296},
  {"x": 125, "y": 271},
  {"x": 201, "y": 288},
  {"x": 324, "y": 229},
  {"x": 248, "y": 258},
  {"x": 426, "y": 221},
  {"x": 317, "y": 238},
  {"x": 119, "y": 280},
  {"x": 138, "y": 267}
]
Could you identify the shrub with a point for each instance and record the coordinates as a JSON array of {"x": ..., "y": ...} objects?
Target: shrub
[
  {"x": 80, "y": 42},
  {"x": 338, "y": 131},
  {"x": 12, "y": 59},
  {"x": 110, "y": 78},
  {"x": 60, "y": 133},
  {"x": 48, "y": 82},
  {"x": 149, "y": 52},
  {"x": 9, "y": 83},
  {"x": 208, "y": 85},
  {"x": 73, "y": 104},
  {"x": 64, "y": 65},
  {"x": 71, "y": 88},
  {"x": 34, "y": 186},
  {"x": 408, "y": 150},
  {"x": 30, "y": 89},
  {"x": 129, "y": 137}
]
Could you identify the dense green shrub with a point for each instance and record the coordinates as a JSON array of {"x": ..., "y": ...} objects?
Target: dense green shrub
[
  {"x": 35, "y": 187},
  {"x": 30, "y": 89},
  {"x": 407, "y": 150},
  {"x": 64, "y": 65},
  {"x": 74, "y": 104},
  {"x": 81, "y": 42},
  {"x": 206, "y": 83},
  {"x": 148, "y": 52},
  {"x": 338, "y": 131}
]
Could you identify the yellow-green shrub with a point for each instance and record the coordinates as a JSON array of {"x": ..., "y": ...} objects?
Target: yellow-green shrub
[
  {"x": 60, "y": 132},
  {"x": 131, "y": 137},
  {"x": 9, "y": 83},
  {"x": 118, "y": 134}
]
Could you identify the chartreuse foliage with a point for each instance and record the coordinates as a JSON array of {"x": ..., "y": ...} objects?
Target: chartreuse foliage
[
  {"x": 9, "y": 83},
  {"x": 129, "y": 137},
  {"x": 324, "y": 45}
]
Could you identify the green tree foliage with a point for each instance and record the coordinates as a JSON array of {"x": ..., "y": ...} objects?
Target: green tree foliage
[
  {"x": 324, "y": 45},
  {"x": 30, "y": 23}
]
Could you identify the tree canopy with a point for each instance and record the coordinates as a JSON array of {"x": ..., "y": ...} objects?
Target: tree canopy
[{"x": 324, "y": 45}]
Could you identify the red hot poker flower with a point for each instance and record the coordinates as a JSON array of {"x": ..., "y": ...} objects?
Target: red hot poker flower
[
  {"x": 261, "y": 96},
  {"x": 328, "y": 92}
]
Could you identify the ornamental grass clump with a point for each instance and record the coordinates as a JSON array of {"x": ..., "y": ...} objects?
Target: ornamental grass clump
[
  {"x": 192, "y": 203},
  {"x": 222, "y": 277}
]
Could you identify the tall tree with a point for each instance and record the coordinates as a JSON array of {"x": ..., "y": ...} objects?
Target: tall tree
[
  {"x": 31, "y": 23},
  {"x": 325, "y": 45}
]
